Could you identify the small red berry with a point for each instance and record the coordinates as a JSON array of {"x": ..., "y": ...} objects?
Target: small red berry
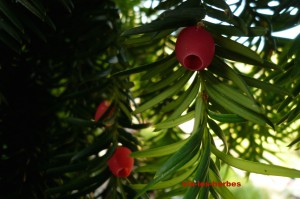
[
  {"x": 120, "y": 163},
  {"x": 101, "y": 109},
  {"x": 109, "y": 119},
  {"x": 195, "y": 48}
]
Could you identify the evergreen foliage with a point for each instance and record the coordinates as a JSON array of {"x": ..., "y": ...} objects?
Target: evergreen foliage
[{"x": 60, "y": 59}]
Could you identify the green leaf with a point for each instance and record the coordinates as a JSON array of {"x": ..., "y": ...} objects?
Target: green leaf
[
  {"x": 79, "y": 182},
  {"x": 226, "y": 30},
  {"x": 168, "y": 183},
  {"x": 258, "y": 31},
  {"x": 159, "y": 151},
  {"x": 10, "y": 30},
  {"x": 146, "y": 38},
  {"x": 232, "y": 93},
  {"x": 202, "y": 169},
  {"x": 237, "y": 48},
  {"x": 9, "y": 13},
  {"x": 200, "y": 112},
  {"x": 175, "y": 192},
  {"x": 294, "y": 114},
  {"x": 175, "y": 122},
  {"x": 99, "y": 144},
  {"x": 221, "y": 15},
  {"x": 256, "y": 167},
  {"x": 204, "y": 191},
  {"x": 165, "y": 81},
  {"x": 176, "y": 103},
  {"x": 68, "y": 4},
  {"x": 188, "y": 100},
  {"x": 167, "y": 61},
  {"x": 237, "y": 108},
  {"x": 218, "y": 3},
  {"x": 31, "y": 7},
  {"x": 227, "y": 54},
  {"x": 294, "y": 141},
  {"x": 218, "y": 131},
  {"x": 162, "y": 69},
  {"x": 154, "y": 167},
  {"x": 221, "y": 69},
  {"x": 151, "y": 167},
  {"x": 214, "y": 167},
  {"x": 160, "y": 25},
  {"x": 266, "y": 86},
  {"x": 78, "y": 121},
  {"x": 165, "y": 94},
  {"x": 126, "y": 110},
  {"x": 129, "y": 136},
  {"x": 177, "y": 160},
  {"x": 38, "y": 4},
  {"x": 196, "y": 13},
  {"x": 72, "y": 167},
  {"x": 184, "y": 15},
  {"x": 214, "y": 193},
  {"x": 164, "y": 5},
  {"x": 131, "y": 125},
  {"x": 222, "y": 190},
  {"x": 226, "y": 118},
  {"x": 183, "y": 155},
  {"x": 284, "y": 104},
  {"x": 282, "y": 119},
  {"x": 38, "y": 10}
]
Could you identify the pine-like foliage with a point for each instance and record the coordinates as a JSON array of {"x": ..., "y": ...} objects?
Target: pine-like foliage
[{"x": 60, "y": 59}]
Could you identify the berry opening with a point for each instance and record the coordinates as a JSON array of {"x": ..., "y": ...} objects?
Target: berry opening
[
  {"x": 192, "y": 62},
  {"x": 123, "y": 172}
]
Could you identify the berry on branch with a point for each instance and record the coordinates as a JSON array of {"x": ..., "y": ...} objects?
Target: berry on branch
[
  {"x": 101, "y": 109},
  {"x": 195, "y": 48},
  {"x": 120, "y": 163}
]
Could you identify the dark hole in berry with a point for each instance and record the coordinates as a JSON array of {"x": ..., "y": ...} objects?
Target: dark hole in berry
[
  {"x": 193, "y": 62},
  {"x": 123, "y": 172}
]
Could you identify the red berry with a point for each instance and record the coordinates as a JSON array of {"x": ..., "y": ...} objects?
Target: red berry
[
  {"x": 195, "y": 48},
  {"x": 109, "y": 120},
  {"x": 120, "y": 163},
  {"x": 101, "y": 109}
]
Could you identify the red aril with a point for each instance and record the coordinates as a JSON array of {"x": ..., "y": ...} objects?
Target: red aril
[
  {"x": 120, "y": 163},
  {"x": 101, "y": 109},
  {"x": 195, "y": 48}
]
